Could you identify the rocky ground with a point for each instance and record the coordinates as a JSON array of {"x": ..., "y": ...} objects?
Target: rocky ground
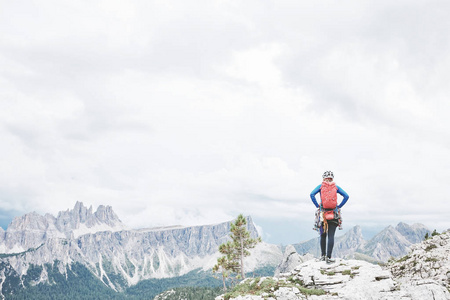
[
  {"x": 423, "y": 274},
  {"x": 427, "y": 261}
]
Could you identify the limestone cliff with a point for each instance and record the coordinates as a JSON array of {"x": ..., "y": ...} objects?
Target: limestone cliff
[{"x": 117, "y": 256}]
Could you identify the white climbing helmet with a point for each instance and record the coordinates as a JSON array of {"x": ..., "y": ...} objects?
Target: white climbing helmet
[{"x": 327, "y": 174}]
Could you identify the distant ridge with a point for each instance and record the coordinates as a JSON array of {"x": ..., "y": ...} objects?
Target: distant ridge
[{"x": 390, "y": 242}]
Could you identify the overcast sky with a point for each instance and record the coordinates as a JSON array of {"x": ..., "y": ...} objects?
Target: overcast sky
[{"x": 191, "y": 112}]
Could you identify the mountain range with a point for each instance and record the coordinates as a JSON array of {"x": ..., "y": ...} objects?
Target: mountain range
[
  {"x": 78, "y": 243},
  {"x": 116, "y": 256},
  {"x": 391, "y": 242}
]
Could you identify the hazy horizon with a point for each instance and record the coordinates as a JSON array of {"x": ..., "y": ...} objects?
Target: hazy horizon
[{"x": 279, "y": 229}]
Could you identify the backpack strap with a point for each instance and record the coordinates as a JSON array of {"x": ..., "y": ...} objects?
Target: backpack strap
[{"x": 325, "y": 225}]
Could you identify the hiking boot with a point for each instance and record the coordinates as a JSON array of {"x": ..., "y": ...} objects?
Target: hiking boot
[
  {"x": 330, "y": 260},
  {"x": 322, "y": 258}
]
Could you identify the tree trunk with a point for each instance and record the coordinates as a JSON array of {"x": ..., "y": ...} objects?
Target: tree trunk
[
  {"x": 223, "y": 279},
  {"x": 242, "y": 258}
]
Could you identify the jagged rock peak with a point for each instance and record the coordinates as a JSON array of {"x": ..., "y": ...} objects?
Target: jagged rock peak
[
  {"x": 80, "y": 214},
  {"x": 68, "y": 220},
  {"x": 32, "y": 229},
  {"x": 106, "y": 215},
  {"x": 355, "y": 233},
  {"x": 251, "y": 227},
  {"x": 356, "y": 230},
  {"x": 30, "y": 221},
  {"x": 413, "y": 233}
]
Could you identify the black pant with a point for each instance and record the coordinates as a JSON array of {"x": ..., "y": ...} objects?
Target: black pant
[{"x": 323, "y": 239}]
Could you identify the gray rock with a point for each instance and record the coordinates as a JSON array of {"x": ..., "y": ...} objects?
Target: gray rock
[
  {"x": 423, "y": 274},
  {"x": 100, "y": 241},
  {"x": 413, "y": 233},
  {"x": 291, "y": 259}
]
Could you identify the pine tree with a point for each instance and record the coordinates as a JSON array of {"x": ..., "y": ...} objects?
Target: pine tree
[
  {"x": 222, "y": 267},
  {"x": 242, "y": 241},
  {"x": 227, "y": 263},
  {"x": 235, "y": 250}
]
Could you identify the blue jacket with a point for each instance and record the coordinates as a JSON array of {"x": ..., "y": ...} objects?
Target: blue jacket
[{"x": 339, "y": 190}]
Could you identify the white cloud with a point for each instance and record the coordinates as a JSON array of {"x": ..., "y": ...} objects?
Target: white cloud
[
  {"x": 256, "y": 65},
  {"x": 178, "y": 112}
]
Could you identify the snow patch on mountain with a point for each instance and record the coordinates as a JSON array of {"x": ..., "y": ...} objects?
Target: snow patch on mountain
[
  {"x": 14, "y": 249},
  {"x": 83, "y": 229}
]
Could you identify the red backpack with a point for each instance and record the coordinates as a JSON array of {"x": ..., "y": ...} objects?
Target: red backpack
[{"x": 328, "y": 194}]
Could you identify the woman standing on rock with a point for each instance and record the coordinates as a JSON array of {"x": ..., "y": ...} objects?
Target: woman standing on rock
[{"x": 328, "y": 213}]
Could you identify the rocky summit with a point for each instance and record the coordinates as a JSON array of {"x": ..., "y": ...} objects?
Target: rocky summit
[{"x": 422, "y": 274}]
